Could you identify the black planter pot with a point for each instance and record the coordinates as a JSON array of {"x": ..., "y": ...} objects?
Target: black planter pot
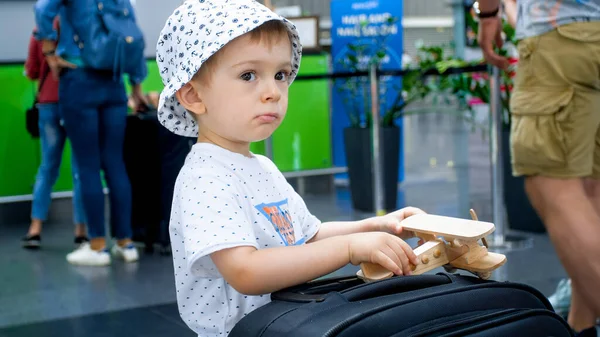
[
  {"x": 357, "y": 144},
  {"x": 520, "y": 214}
]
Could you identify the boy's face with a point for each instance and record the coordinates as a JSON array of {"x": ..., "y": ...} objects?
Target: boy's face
[{"x": 243, "y": 96}]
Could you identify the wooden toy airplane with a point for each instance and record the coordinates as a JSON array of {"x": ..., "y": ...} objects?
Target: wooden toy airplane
[{"x": 459, "y": 248}]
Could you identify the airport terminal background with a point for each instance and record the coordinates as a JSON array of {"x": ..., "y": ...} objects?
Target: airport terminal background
[{"x": 446, "y": 169}]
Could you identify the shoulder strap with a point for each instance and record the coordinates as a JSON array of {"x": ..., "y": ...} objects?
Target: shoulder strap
[{"x": 42, "y": 81}]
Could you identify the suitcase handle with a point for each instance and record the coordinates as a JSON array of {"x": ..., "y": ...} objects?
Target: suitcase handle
[
  {"x": 354, "y": 289},
  {"x": 315, "y": 291},
  {"x": 394, "y": 285}
]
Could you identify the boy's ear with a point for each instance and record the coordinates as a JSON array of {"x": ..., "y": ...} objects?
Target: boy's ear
[{"x": 188, "y": 97}]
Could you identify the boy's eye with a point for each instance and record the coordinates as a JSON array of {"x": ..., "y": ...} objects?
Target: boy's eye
[
  {"x": 282, "y": 76},
  {"x": 249, "y": 76}
]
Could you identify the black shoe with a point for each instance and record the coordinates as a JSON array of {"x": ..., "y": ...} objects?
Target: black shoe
[
  {"x": 32, "y": 241},
  {"x": 589, "y": 332},
  {"x": 80, "y": 239},
  {"x": 165, "y": 250}
]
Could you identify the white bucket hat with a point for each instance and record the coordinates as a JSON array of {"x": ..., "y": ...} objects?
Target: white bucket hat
[{"x": 194, "y": 32}]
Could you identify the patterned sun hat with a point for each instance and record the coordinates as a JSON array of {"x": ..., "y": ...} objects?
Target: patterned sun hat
[{"x": 197, "y": 30}]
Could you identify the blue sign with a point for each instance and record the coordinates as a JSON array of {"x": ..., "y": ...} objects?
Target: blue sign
[{"x": 361, "y": 30}]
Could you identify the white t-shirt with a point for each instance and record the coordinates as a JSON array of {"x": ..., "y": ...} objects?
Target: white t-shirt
[{"x": 222, "y": 200}]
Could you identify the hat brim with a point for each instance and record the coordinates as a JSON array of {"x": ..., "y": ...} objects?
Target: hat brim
[{"x": 173, "y": 116}]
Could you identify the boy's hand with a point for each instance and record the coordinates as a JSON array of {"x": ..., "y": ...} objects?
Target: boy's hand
[
  {"x": 386, "y": 250},
  {"x": 391, "y": 223}
]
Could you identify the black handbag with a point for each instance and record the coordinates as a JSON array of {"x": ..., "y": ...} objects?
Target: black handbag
[{"x": 32, "y": 115}]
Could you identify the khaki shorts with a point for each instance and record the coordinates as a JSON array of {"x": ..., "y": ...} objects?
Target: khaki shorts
[{"x": 555, "y": 104}]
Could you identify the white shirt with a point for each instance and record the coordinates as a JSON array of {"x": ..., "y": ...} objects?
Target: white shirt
[{"x": 222, "y": 200}]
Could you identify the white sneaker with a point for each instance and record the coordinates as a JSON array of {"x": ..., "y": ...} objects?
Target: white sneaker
[
  {"x": 84, "y": 255},
  {"x": 128, "y": 253},
  {"x": 561, "y": 299}
]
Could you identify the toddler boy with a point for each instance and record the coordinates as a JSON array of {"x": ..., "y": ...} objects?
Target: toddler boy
[{"x": 238, "y": 230}]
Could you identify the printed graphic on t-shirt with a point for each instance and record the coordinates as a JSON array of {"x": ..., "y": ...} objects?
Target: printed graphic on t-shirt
[
  {"x": 535, "y": 17},
  {"x": 278, "y": 214}
]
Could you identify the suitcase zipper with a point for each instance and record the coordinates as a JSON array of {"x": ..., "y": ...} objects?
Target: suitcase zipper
[
  {"x": 377, "y": 308},
  {"x": 471, "y": 319},
  {"x": 507, "y": 318}
]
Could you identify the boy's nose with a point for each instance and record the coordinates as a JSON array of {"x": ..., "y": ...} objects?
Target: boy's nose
[{"x": 271, "y": 92}]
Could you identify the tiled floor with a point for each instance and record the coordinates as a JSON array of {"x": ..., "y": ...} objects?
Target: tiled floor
[{"x": 447, "y": 171}]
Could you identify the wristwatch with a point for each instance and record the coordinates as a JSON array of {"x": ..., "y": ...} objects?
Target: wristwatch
[
  {"x": 49, "y": 52},
  {"x": 485, "y": 15},
  {"x": 491, "y": 14}
]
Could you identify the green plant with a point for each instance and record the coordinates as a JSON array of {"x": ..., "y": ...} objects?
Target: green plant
[
  {"x": 355, "y": 91},
  {"x": 471, "y": 85}
]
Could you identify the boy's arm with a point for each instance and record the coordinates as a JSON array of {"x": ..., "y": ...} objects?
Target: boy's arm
[
  {"x": 254, "y": 271},
  {"x": 390, "y": 223}
]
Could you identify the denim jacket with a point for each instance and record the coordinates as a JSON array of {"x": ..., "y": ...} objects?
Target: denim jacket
[{"x": 73, "y": 17}]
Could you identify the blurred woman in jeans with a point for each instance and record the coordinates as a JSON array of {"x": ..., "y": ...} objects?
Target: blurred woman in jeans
[
  {"x": 52, "y": 139},
  {"x": 93, "y": 103}
]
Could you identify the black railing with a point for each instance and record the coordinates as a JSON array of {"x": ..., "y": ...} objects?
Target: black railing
[{"x": 428, "y": 72}]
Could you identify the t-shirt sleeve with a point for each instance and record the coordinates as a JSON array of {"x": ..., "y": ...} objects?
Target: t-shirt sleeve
[
  {"x": 310, "y": 224},
  {"x": 211, "y": 219}
]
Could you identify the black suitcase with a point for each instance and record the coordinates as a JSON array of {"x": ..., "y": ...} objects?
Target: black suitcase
[
  {"x": 422, "y": 305},
  {"x": 142, "y": 161},
  {"x": 173, "y": 150},
  {"x": 153, "y": 158}
]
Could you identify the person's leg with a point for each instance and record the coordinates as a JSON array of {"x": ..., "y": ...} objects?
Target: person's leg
[
  {"x": 555, "y": 120},
  {"x": 52, "y": 139},
  {"x": 78, "y": 210},
  {"x": 581, "y": 316},
  {"x": 80, "y": 98},
  {"x": 113, "y": 117},
  {"x": 574, "y": 228}
]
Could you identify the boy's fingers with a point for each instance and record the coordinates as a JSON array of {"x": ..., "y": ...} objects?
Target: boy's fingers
[
  {"x": 394, "y": 256},
  {"x": 410, "y": 211},
  {"x": 406, "y": 269},
  {"x": 408, "y": 251},
  {"x": 404, "y": 258},
  {"x": 400, "y": 258},
  {"x": 386, "y": 262}
]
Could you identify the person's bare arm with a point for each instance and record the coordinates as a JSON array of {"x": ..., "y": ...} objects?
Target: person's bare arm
[
  {"x": 335, "y": 228},
  {"x": 490, "y": 33},
  {"x": 510, "y": 9},
  {"x": 488, "y": 5},
  {"x": 253, "y": 272},
  {"x": 390, "y": 223}
]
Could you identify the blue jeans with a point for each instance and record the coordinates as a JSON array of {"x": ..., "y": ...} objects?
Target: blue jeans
[
  {"x": 52, "y": 139},
  {"x": 94, "y": 108}
]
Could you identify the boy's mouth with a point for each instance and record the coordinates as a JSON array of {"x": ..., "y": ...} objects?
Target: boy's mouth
[{"x": 268, "y": 117}]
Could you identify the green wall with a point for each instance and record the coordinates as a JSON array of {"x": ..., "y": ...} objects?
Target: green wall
[
  {"x": 302, "y": 142},
  {"x": 19, "y": 153}
]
